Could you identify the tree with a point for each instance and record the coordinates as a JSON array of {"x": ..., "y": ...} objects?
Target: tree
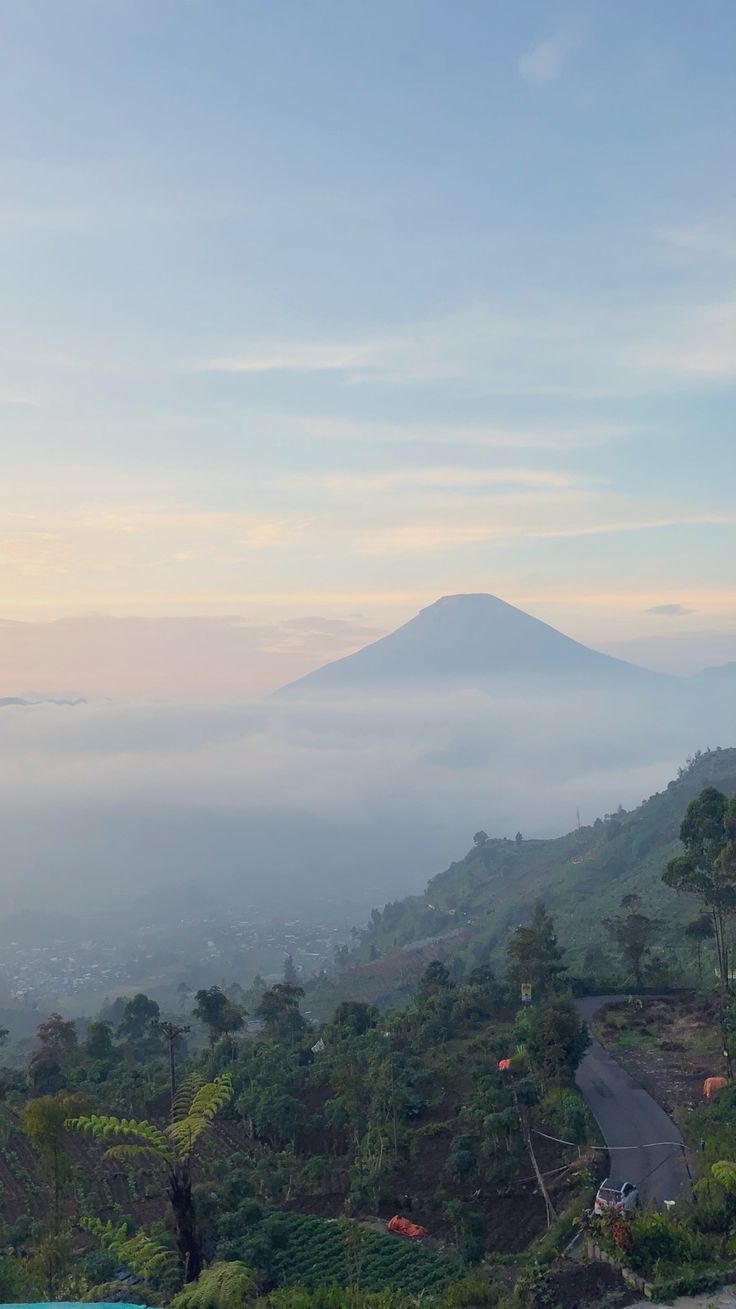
[
  {"x": 435, "y": 978},
  {"x": 291, "y": 976},
  {"x": 354, "y": 1018},
  {"x": 279, "y": 1011},
  {"x": 138, "y": 1015},
  {"x": 57, "y": 1037},
  {"x": 218, "y": 1014},
  {"x": 553, "y": 1038},
  {"x": 702, "y": 871},
  {"x": 43, "y": 1122},
  {"x": 534, "y": 953},
  {"x": 480, "y": 839},
  {"x": 634, "y": 934},
  {"x": 519, "y": 838},
  {"x": 698, "y": 931},
  {"x": 98, "y": 1044},
  {"x": 172, "y": 1149},
  {"x": 57, "y": 1043}
]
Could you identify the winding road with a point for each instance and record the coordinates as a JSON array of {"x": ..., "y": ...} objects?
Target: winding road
[{"x": 628, "y": 1116}]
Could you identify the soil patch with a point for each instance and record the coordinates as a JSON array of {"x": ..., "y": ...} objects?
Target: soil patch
[{"x": 669, "y": 1044}]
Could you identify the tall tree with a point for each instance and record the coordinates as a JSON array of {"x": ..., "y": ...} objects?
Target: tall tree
[
  {"x": 279, "y": 1011},
  {"x": 44, "y": 1121},
  {"x": 434, "y": 980},
  {"x": 706, "y": 869},
  {"x": 138, "y": 1015},
  {"x": 535, "y": 954},
  {"x": 98, "y": 1043},
  {"x": 58, "y": 1037},
  {"x": 172, "y": 1149},
  {"x": 634, "y": 933},
  {"x": 698, "y": 932},
  {"x": 218, "y": 1014}
]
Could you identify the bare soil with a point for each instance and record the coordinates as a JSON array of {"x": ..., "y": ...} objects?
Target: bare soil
[{"x": 669, "y": 1044}]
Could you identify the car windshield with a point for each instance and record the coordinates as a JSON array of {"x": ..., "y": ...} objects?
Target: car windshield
[{"x": 610, "y": 1191}]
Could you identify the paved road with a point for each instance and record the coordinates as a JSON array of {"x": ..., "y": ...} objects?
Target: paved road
[{"x": 627, "y": 1115}]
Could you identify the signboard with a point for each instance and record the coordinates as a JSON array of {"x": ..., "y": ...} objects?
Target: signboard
[{"x": 526, "y": 992}]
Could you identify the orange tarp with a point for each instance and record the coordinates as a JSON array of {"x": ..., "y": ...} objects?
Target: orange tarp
[
  {"x": 712, "y": 1085},
  {"x": 404, "y": 1228}
]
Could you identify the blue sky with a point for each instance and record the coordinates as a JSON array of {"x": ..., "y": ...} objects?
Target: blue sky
[{"x": 325, "y": 309}]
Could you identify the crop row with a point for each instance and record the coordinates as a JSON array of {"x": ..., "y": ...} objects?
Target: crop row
[{"x": 312, "y": 1252}]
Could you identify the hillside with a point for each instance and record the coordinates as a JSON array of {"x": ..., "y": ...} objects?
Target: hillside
[
  {"x": 468, "y": 640},
  {"x": 471, "y": 908}
]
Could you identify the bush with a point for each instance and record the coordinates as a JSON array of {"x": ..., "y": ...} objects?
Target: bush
[
  {"x": 691, "y": 1281},
  {"x": 659, "y": 1240}
]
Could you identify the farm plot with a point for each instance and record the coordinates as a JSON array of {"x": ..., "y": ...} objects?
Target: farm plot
[{"x": 312, "y": 1252}]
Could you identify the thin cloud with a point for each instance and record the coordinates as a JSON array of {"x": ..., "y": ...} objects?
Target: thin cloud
[
  {"x": 708, "y": 238},
  {"x": 432, "y": 536},
  {"x": 547, "y": 60},
  {"x": 454, "y": 478},
  {"x": 670, "y": 610}
]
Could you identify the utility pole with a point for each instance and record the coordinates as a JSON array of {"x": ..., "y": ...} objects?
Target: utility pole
[{"x": 170, "y": 1033}]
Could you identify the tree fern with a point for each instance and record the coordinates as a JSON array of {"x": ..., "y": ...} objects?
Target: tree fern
[
  {"x": 193, "y": 1111},
  {"x": 223, "y": 1286},
  {"x": 207, "y": 1101}
]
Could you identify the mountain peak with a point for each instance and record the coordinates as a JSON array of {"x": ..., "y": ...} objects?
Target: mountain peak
[{"x": 467, "y": 641}]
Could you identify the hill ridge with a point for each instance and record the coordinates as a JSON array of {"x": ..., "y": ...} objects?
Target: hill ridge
[{"x": 471, "y": 908}]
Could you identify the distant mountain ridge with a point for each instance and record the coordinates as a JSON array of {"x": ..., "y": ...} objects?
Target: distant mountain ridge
[
  {"x": 469, "y": 640},
  {"x": 9, "y": 700}
]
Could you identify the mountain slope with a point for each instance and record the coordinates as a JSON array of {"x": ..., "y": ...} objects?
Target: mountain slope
[
  {"x": 472, "y": 907},
  {"x": 467, "y": 640}
]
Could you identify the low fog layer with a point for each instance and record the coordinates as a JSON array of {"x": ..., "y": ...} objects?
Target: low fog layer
[{"x": 125, "y": 806}]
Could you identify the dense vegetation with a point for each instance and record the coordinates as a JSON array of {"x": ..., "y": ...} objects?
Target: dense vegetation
[
  {"x": 225, "y": 1158},
  {"x": 469, "y": 911},
  {"x": 286, "y": 1149}
]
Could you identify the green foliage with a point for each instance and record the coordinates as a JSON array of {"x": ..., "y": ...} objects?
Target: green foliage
[
  {"x": 144, "y": 1256},
  {"x": 147, "y": 1141},
  {"x": 534, "y": 953},
  {"x": 658, "y": 1242},
  {"x": 223, "y": 1286},
  {"x": 194, "y": 1109},
  {"x": 634, "y": 933},
  {"x": 279, "y": 1011},
  {"x": 218, "y": 1014},
  {"x": 298, "y": 1250},
  {"x": 584, "y": 875}
]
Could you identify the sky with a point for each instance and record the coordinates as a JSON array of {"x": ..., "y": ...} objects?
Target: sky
[{"x": 313, "y": 312}]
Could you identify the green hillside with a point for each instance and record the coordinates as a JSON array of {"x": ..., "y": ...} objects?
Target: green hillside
[{"x": 470, "y": 909}]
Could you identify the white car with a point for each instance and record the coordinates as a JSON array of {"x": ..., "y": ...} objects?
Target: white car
[{"x": 623, "y": 1197}]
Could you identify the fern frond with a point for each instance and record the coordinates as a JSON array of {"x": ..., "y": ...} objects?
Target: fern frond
[
  {"x": 227, "y": 1285},
  {"x": 104, "y": 1126},
  {"x": 207, "y": 1102},
  {"x": 136, "y": 1154},
  {"x": 185, "y": 1095},
  {"x": 212, "y": 1097},
  {"x": 724, "y": 1173},
  {"x": 139, "y": 1252}
]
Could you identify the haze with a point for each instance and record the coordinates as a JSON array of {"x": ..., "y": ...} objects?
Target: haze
[{"x": 312, "y": 315}]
